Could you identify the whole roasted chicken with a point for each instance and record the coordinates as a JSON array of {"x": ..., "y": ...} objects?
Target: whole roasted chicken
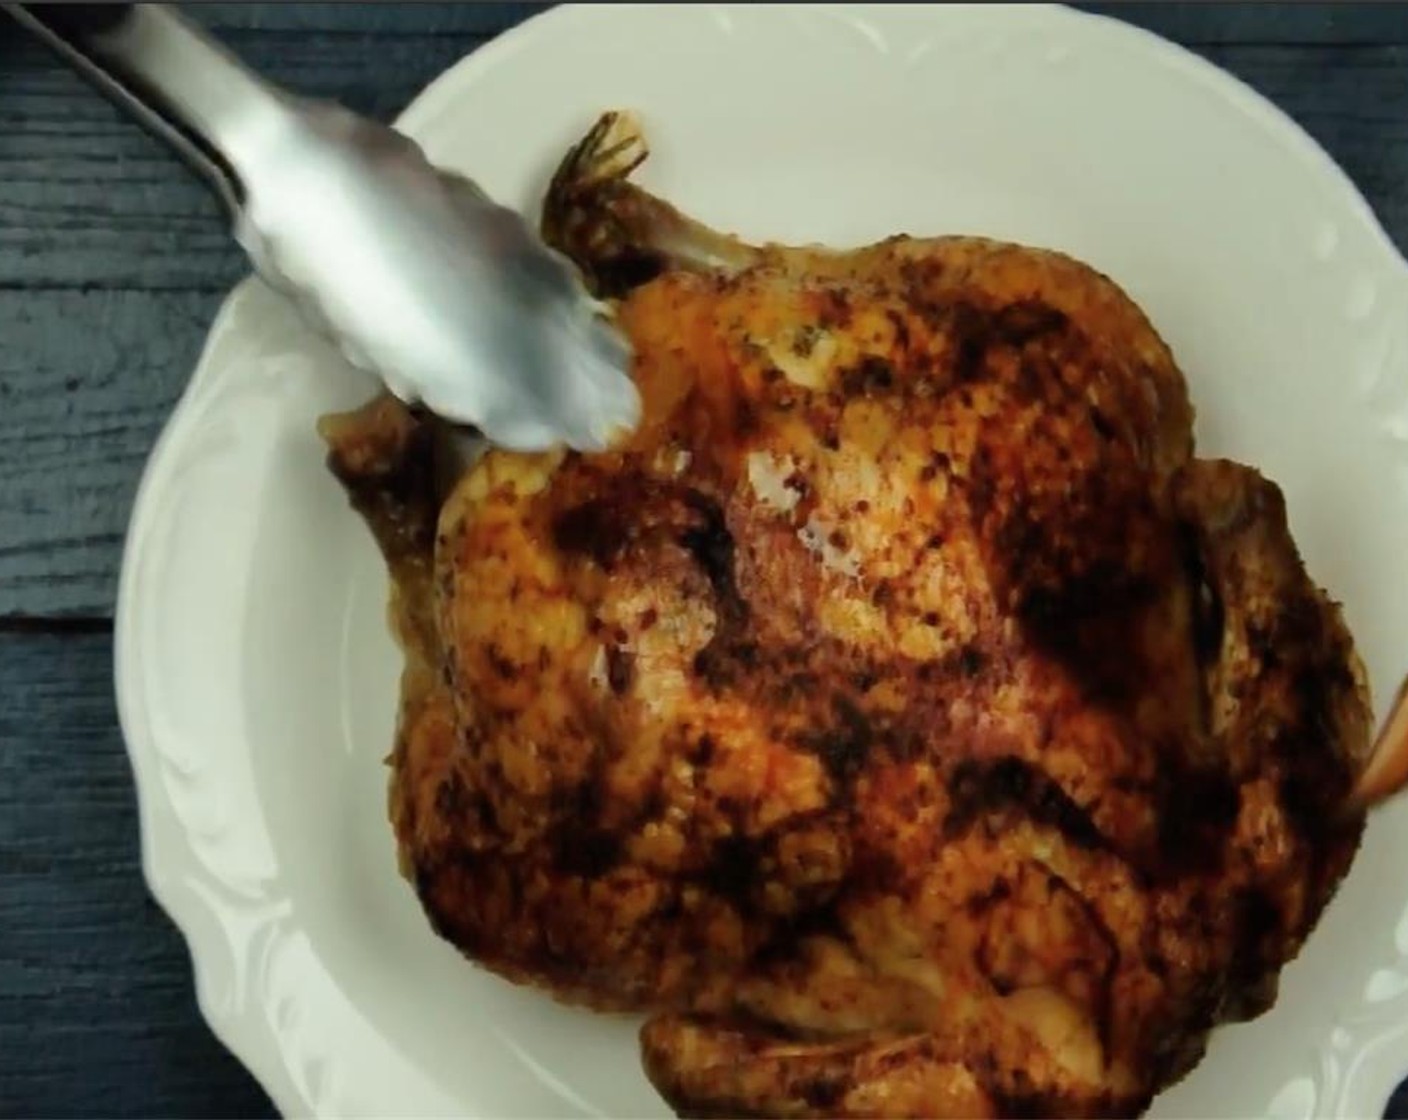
[{"x": 901, "y": 716}]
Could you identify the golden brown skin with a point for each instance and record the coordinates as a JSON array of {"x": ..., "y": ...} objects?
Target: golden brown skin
[{"x": 902, "y": 717}]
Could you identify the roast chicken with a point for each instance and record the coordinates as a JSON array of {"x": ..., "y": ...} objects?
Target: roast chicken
[{"x": 902, "y": 717}]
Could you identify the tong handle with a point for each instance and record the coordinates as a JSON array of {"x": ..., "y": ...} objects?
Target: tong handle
[{"x": 168, "y": 74}]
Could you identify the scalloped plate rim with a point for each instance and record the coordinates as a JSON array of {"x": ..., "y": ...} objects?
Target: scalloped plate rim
[{"x": 160, "y": 866}]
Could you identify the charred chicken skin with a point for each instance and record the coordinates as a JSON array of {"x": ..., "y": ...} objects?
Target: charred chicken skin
[{"x": 901, "y": 717}]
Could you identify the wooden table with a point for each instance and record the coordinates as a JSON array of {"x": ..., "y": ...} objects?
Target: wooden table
[{"x": 112, "y": 264}]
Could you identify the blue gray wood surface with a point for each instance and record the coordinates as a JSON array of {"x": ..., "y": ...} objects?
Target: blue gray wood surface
[{"x": 112, "y": 263}]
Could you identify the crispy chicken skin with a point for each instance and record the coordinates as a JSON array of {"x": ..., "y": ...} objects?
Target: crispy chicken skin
[{"x": 902, "y": 716}]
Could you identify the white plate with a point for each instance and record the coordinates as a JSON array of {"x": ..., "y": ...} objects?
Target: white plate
[{"x": 256, "y": 679}]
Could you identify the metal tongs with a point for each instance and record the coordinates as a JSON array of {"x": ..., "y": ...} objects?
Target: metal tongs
[{"x": 411, "y": 270}]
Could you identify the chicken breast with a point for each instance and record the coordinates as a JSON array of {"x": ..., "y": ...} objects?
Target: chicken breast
[{"x": 902, "y": 717}]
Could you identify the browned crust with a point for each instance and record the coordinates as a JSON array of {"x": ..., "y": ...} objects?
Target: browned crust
[{"x": 1079, "y": 730}]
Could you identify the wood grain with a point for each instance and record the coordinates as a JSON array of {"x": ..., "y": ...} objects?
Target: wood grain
[
  {"x": 1316, "y": 24},
  {"x": 86, "y": 381},
  {"x": 1310, "y": 25},
  {"x": 449, "y": 19},
  {"x": 96, "y": 1014},
  {"x": 91, "y": 200}
]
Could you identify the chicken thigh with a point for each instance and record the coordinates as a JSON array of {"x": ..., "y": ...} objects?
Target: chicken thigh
[{"x": 901, "y": 717}]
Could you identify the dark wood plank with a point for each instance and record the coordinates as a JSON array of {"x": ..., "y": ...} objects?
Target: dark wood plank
[
  {"x": 86, "y": 380},
  {"x": 1241, "y": 22},
  {"x": 97, "y": 1012},
  {"x": 481, "y": 19},
  {"x": 89, "y": 199},
  {"x": 1257, "y": 22}
]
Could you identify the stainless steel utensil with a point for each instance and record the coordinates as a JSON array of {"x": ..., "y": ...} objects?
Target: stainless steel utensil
[{"x": 412, "y": 270}]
